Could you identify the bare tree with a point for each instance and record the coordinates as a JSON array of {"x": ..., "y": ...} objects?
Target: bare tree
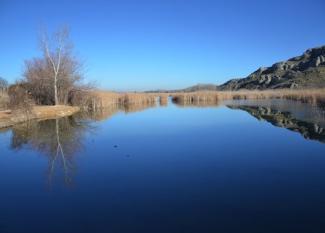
[
  {"x": 53, "y": 76},
  {"x": 54, "y": 52},
  {"x": 56, "y": 77}
]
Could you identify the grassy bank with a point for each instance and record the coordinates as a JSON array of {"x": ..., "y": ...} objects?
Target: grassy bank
[{"x": 9, "y": 118}]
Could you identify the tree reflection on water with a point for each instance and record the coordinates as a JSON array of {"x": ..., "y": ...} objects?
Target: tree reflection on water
[
  {"x": 58, "y": 139},
  {"x": 61, "y": 139}
]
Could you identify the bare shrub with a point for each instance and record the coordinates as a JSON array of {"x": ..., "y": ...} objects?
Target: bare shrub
[
  {"x": 85, "y": 98},
  {"x": 20, "y": 98}
]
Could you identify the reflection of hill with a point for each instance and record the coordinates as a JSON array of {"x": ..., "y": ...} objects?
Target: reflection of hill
[{"x": 308, "y": 129}]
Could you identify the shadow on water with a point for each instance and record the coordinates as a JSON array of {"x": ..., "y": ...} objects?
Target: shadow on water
[{"x": 299, "y": 117}]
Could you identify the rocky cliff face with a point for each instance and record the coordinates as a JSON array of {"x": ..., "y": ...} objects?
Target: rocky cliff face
[{"x": 305, "y": 71}]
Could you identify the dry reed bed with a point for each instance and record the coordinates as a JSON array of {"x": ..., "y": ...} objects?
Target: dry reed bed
[
  {"x": 105, "y": 99},
  {"x": 314, "y": 96}
]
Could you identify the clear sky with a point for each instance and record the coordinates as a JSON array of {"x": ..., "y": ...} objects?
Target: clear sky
[{"x": 149, "y": 44}]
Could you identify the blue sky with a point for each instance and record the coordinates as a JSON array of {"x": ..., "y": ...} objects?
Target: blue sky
[{"x": 149, "y": 44}]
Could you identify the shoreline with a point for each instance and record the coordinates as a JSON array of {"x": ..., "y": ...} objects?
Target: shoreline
[
  {"x": 9, "y": 118},
  {"x": 106, "y": 99}
]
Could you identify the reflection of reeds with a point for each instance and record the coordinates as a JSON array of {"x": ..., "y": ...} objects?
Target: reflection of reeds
[
  {"x": 100, "y": 114},
  {"x": 196, "y": 99},
  {"x": 107, "y": 112},
  {"x": 136, "y": 107},
  {"x": 163, "y": 100}
]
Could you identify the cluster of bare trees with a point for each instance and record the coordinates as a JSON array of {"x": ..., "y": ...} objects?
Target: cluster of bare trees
[
  {"x": 3, "y": 85},
  {"x": 3, "y": 94},
  {"x": 57, "y": 73},
  {"x": 53, "y": 78}
]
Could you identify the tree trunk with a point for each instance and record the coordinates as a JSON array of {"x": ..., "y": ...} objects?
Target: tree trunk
[{"x": 56, "y": 101}]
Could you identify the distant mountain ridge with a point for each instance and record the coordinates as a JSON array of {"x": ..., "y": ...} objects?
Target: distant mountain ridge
[
  {"x": 197, "y": 87},
  {"x": 305, "y": 71},
  {"x": 201, "y": 87}
]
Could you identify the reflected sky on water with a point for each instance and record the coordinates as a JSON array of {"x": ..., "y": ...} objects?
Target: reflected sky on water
[{"x": 241, "y": 166}]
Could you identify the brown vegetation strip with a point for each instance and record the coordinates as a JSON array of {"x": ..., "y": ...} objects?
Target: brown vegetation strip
[
  {"x": 8, "y": 118},
  {"x": 314, "y": 96}
]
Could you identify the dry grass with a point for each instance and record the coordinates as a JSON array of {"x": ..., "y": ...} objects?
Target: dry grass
[
  {"x": 312, "y": 96},
  {"x": 105, "y": 99},
  {"x": 111, "y": 102},
  {"x": 48, "y": 112},
  {"x": 9, "y": 118},
  {"x": 4, "y": 100}
]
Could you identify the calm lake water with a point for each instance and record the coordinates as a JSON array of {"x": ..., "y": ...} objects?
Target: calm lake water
[{"x": 245, "y": 166}]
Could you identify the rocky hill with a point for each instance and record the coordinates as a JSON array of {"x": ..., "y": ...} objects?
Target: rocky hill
[{"x": 305, "y": 71}]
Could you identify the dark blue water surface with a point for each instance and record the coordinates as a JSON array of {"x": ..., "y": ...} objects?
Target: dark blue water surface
[{"x": 240, "y": 167}]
